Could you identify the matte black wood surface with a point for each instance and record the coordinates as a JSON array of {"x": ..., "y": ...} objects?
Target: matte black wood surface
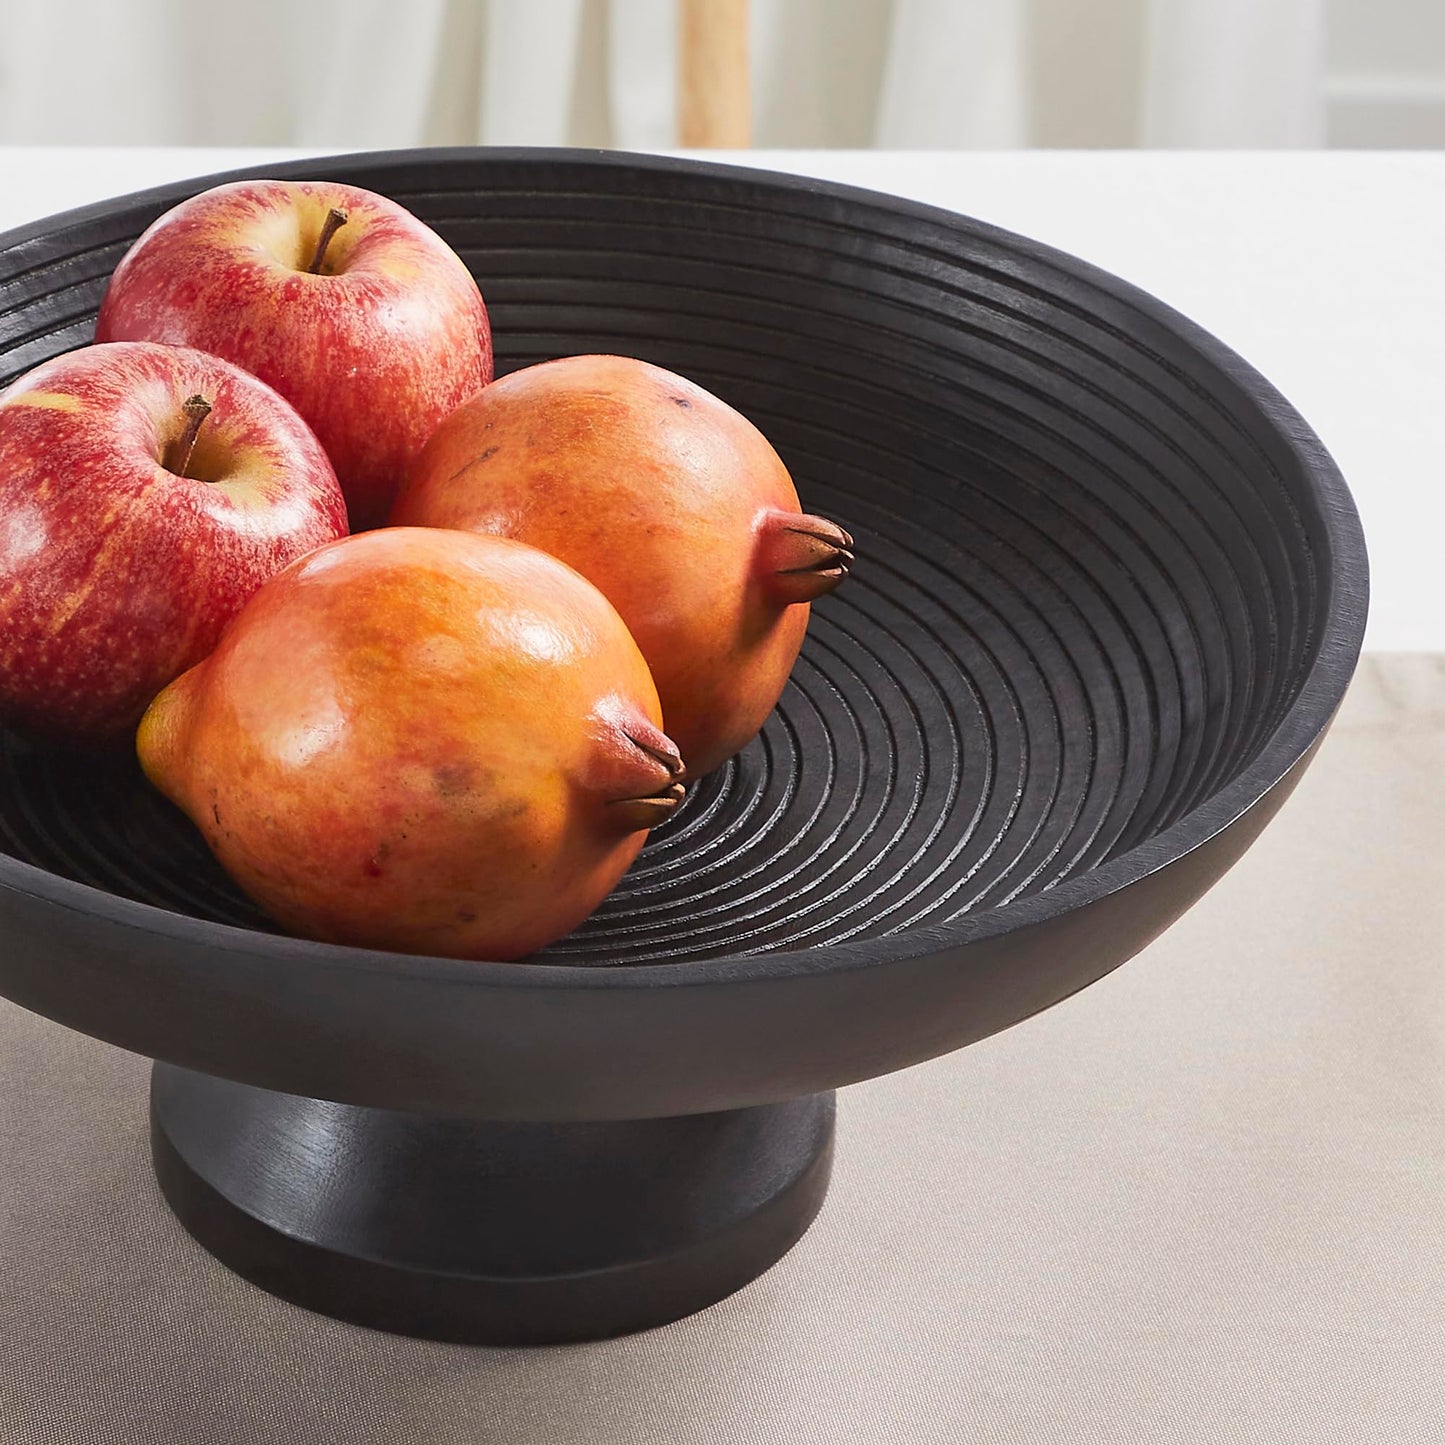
[
  {"x": 514, "y": 1234},
  {"x": 1110, "y": 590}
]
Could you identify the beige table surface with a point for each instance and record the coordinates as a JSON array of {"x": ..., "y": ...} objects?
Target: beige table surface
[{"x": 1202, "y": 1201}]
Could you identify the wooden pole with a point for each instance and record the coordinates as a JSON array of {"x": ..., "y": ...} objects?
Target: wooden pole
[{"x": 713, "y": 100}]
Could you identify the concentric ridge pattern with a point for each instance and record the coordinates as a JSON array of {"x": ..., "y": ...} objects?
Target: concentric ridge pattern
[{"x": 1071, "y": 611}]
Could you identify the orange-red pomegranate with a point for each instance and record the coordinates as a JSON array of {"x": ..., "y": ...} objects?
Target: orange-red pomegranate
[
  {"x": 670, "y": 501},
  {"x": 420, "y": 740}
]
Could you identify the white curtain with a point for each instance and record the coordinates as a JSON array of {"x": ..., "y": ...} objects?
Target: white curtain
[
  {"x": 1230, "y": 73},
  {"x": 900, "y": 73}
]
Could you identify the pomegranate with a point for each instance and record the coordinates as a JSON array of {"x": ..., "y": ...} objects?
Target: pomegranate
[
  {"x": 420, "y": 740},
  {"x": 667, "y": 499}
]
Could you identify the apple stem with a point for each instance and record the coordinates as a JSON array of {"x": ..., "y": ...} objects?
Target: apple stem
[
  {"x": 335, "y": 220},
  {"x": 197, "y": 409}
]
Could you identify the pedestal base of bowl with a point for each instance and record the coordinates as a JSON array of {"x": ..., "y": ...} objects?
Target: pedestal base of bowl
[{"x": 486, "y": 1233}]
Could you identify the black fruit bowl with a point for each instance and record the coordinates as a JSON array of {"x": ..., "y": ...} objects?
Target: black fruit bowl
[{"x": 1110, "y": 591}]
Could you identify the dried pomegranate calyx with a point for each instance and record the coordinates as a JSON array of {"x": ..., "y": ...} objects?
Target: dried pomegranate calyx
[{"x": 803, "y": 556}]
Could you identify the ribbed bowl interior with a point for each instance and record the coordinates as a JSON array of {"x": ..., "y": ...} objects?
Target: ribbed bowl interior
[{"x": 1088, "y": 584}]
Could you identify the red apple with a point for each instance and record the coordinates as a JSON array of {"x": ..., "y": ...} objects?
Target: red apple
[
  {"x": 145, "y": 493},
  {"x": 363, "y": 318}
]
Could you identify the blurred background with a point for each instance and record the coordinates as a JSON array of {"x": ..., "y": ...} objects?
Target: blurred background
[{"x": 954, "y": 74}]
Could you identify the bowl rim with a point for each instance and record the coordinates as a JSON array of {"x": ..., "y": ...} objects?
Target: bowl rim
[{"x": 1338, "y": 643}]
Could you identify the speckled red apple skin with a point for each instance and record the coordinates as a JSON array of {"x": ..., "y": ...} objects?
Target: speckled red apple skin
[
  {"x": 115, "y": 573},
  {"x": 373, "y": 351},
  {"x": 419, "y": 740}
]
